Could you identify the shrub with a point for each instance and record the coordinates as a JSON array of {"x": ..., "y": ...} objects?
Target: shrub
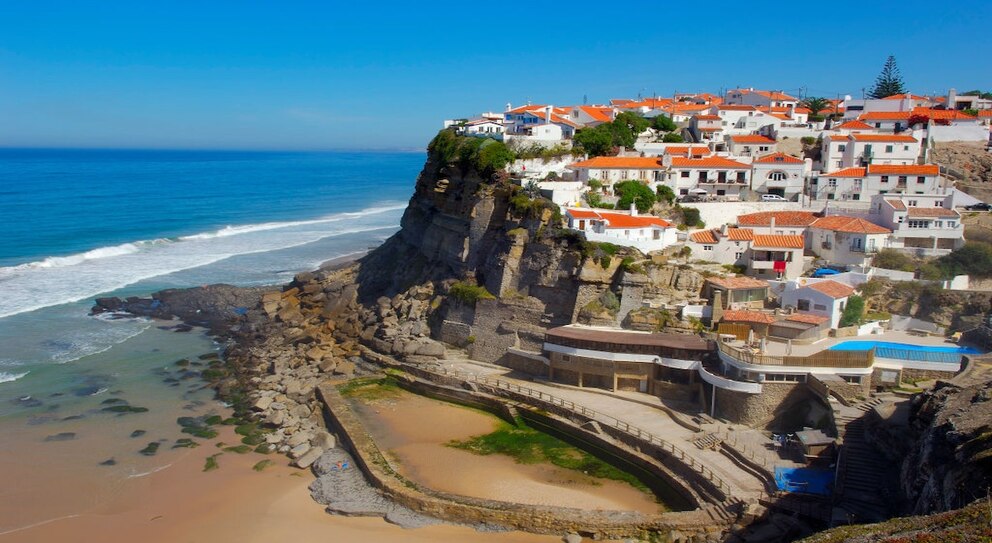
[
  {"x": 673, "y": 137},
  {"x": 469, "y": 293},
  {"x": 595, "y": 184},
  {"x": 663, "y": 123},
  {"x": 853, "y": 311},
  {"x": 691, "y": 217},
  {"x": 974, "y": 259},
  {"x": 807, "y": 140},
  {"x": 666, "y": 194},
  {"x": 609, "y": 301},
  {"x": 486, "y": 155},
  {"x": 893, "y": 259},
  {"x": 634, "y": 192}
]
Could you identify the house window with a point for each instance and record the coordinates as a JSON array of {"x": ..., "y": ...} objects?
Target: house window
[
  {"x": 889, "y": 149},
  {"x": 917, "y": 224},
  {"x": 842, "y": 148},
  {"x": 911, "y": 203},
  {"x": 802, "y": 305},
  {"x": 902, "y": 179},
  {"x": 707, "y": 247},
  {"x": 684, "y": 173},
  {"x": 885, "y": 179},
  {"x": 777, "y": 176},
  {"x": 938, "y": 224},
  {"x": 905, "y": 148},
  {"x": 738, "y": 255},
  {"x": 763, "y": 148},
  {"x": 832, "y": 183},
  {"x": 921, "y": 179},
  {"x": 819, "y": 307}
]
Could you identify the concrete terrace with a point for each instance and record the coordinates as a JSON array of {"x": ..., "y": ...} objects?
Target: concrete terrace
[
  {"x": 774, "y": 348},
  {"x": 650, "y": 414}
]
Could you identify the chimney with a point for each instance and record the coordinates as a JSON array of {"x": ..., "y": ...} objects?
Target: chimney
[
  {"x": 549, "y": 110},
  {"x": 633, "y": 210},
  {"x": 952, "y": 98},
  {"x": 771, "y": 225},
  {"x": 509, "y": 106},
  {"x": 724, "y": 230}
]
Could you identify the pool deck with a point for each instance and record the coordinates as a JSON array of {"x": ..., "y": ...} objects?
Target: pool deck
[{"x": 774, "y": 348}]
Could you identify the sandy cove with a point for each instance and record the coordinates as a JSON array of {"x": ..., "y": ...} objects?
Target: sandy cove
[{"x": 234, "y": 503}]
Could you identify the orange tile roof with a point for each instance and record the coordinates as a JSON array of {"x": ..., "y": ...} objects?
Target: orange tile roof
[
  {"x": 846, "y": 172},
  {"x": 861, "y": 136},
  {"x": 931, "y": 212},
  {"x": 779, "y": 158},
  {"x": 985, "y": 113},
  {"x": 779, "y": 241},
  {"x": 740, "y": 234},
  {"x": 617, "y": 162},
  {"x": 527, "y": 108},
  {"x": 751, "y": 138},
  {"x": 782, "y": 218},
  {"x": 703, "y": 236},
  {"x": 685, "y": 150},
  {"x": 708, "y": 117},
  {"x": 907, "y": 169},
  {"x": 620, "y": 101},
  {"x": 602, "y": 114},
  {"x": 772, "y": 95},
  {"x": 839, "y": 137},
  {"x": 718, "y": 162},
  {"x": 747, "y": 316},
  {"x": 737, "y": 282},
  {"x": 853, "y": 225},
  {"x": 832, "y": 288},
  {"x": 651, "y": 103},
  {"x": 736, "y": 107},
  {"x": 807, "y": 318},
  {"x": 854, "y": 125},
  {"x": 949, "y": 114},
  {"x": 904, "y": 96},
  {"x": 898, "y": 205},
  {"x": 620, "y": 220},
  {"x": 713, "y": 235},
  {"x": 581, "y": 214},
  {"x": 710, "y": 128}
]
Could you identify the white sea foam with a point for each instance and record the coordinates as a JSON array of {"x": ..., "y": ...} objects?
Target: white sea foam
[
  {"x": 149, "y": 472},
  {"x": 61, "y": 280},
  {"x": 8, "y": 377}
]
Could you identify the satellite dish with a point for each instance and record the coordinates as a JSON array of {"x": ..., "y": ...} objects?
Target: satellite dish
[{"x": 847, "y": 97}]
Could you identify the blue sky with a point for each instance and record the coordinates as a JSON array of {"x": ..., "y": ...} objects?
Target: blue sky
[{"x": 322, "y": 75}]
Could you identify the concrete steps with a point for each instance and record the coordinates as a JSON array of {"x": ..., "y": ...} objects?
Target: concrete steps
[{"x": 862, "y": 469}]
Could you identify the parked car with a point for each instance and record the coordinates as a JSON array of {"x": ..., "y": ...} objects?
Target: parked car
[
  {"x": 980, "y": 206},
  {"x": 772, "y": 198}
]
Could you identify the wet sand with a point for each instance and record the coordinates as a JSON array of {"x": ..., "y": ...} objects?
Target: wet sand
[
  {"x": 413, "y": 431},
  {"x": 234, "y": 503}
]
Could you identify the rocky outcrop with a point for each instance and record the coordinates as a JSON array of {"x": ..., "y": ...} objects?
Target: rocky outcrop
[{"x": 954, "y": 309}]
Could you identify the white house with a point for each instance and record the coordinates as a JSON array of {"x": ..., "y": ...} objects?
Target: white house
[
  {"x": 863, "y": 183},
  {"x": 817, "y": 297},
  {"x": 923, "y": 223},
  {"x": 846, "y": 241},
  {"x": 492, "y": 128},
  {"x": 522, "y": 120},
  {"x": 592, "y": 115},
  {"x": 613, "y": 169},
  {"x": 763, "y": 98},
  {"x": 716, "y": 175},
  {"x": 966, "y": 101},
  {"x": 897, "y": 121},
  {"x": 763, "y": 256},
  {"x": 643, "y": 232},
  {"x": 750, "y": 145},
  {"x": 781, "y": 174},
  {"x": 744, "y": 119},
  {"x": 706, "y": 127},
  {"x": 857, "y": 149},
  {"x": 852, "y": 126}
]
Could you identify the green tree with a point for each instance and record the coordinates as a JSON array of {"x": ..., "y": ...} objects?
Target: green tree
[
  {"x": 815, "y": 105},
  {"x": 691, "y": 217},
  {"x": 594, "y": 184},
  {"x": 626, "y": 127},
  {"x": 597, "y": 141},
  {"x": 974, "y": 258},
  {"x": 672, "y": 137},
  {"x": 634, "y": 192},
  {"x": 666, "y": 193},
  {"x": 853, "y": 311},
  {"x": 663, "y": 123},
  {"x": 889, "y": 82}
]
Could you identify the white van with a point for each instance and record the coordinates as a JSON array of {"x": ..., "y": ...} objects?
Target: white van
[{"x": 772, "y": 198}]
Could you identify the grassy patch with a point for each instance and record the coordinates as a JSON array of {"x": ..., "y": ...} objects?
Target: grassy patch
[
  {"x": 261, "y": 465},
  {"x": 239, "y": 449},
  {"x": 529, "y": 446},
  {"x": 371, "y": 388},
  {"x": 211, "y": 462}
]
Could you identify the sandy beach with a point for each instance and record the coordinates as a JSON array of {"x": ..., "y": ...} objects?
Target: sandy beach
[{"x": 182, "y": 503}]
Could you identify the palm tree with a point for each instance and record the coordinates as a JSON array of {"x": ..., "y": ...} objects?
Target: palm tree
[{"x": 815, "y": 105}]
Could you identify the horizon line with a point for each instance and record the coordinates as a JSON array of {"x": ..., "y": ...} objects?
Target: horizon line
[{"x": 222, "y": 149}]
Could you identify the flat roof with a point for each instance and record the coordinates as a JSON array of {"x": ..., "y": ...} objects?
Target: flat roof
[
  {"x": 600, "y": 335},
  {"x": 814, "y": 437}
]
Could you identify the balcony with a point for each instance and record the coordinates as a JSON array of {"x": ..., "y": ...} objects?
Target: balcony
[
  {"x": 865, "y": 250},
  {"x": 762, "y": 264}
]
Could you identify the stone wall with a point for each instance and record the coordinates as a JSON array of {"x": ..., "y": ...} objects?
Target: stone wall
[
  {"x": 531, "y": 364},
  {"x": 759, "y": 410}
]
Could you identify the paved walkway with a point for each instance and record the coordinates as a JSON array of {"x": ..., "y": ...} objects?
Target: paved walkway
[{"x": 651, "y": 418}]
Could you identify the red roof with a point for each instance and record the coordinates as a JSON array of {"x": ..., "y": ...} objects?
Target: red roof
[
  {"x": 847, "y": 172},
  {"x": 854, "y": 125},
  {"x": 854, "y": 225},
  {"x": 737, "y": 282},
  {"x": 985, "y": 113},
  {"x": 861, "y": 136},
  {"x": 736, "y": 107},
  {"x": 713, "y": 235},
  {"x": 779, "y": 158},
  {"x": 581, "y": 214},
  {"x": 618, "y": 162},
  {"x": 708, "y": 162},
  {"x": 747, "y": 316},
  {"x": 618, "y": 220},
  {"x": 808, "y": 318},
  {"x": 904, "y": 96},
  {"x": 897, "y": 205},
  {"x": 779, "y": 241},
  {"x": 703, "y": 236},
  {"x": 907, "y": 169},
  {"x": 708, "y": 117},
  {"x": 685, "y": 150},
  {"x": 751, "y": 138},
  {"x": 602, "y": 114},
  {"x": 782, "y": 218},
  {"x": 949, "y": 114},
  {"x": 832, "y": 288}
]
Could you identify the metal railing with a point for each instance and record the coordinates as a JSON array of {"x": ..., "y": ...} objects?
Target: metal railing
[{"x": 601, "y": 418}]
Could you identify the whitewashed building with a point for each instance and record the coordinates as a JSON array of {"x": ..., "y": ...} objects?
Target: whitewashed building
[
  {"x": 752, "y": 145},
  {"x": 762, "y": 98},
  {"x": 644, "y": 232},
  {"x": 861, "y": 184},
  {"x": 922, "y": 223},
  {"x": 781, "y": 174},
  {"x": 846, "y": 241},
  {"x": 613, "y": 169},
  {"x": 858, "y": 149},
  {"x": 817, "y": 297},
  {"x": 716, "y": 175}
]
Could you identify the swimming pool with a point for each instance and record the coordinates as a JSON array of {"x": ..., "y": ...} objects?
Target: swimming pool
[
  {"x": 805, "y": 480},
  {"x": 868, "y": 345}
]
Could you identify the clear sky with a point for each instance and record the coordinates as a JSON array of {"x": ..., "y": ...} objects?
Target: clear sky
[{"x": 331, "y": 75}]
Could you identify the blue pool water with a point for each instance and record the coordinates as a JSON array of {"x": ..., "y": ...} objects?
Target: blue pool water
[
  {"x": 868, "y": 345},
  {"x": 805, "y": 480}
]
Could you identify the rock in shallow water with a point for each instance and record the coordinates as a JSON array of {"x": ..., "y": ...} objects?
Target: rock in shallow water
[{"x": 63, "y": 436}]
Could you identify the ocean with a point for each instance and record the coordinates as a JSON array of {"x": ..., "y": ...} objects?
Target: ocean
[{"x": 79, "y": 224}]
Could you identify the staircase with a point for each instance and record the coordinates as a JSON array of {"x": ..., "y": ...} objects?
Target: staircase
[
  {"x": 862, "y": 472},
  {"x": 727, "y": 511}
]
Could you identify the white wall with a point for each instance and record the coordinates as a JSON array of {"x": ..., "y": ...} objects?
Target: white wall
[{"x": 974, "y": 132}]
